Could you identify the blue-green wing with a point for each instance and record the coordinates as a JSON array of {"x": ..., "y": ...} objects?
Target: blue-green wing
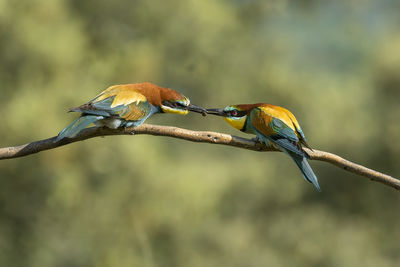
[
  {"x": 285, "y": 137},
  {"x": 281, "y": 129},
  {"x": 131, "y": 112}
]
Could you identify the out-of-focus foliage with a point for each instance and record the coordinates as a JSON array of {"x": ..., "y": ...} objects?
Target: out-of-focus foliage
[{"x": 153, "y": 201}]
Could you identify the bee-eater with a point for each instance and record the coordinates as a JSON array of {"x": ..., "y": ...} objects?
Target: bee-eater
[
  {"x": 128, "y": 105},
  {"x": 273, "y": 125}
]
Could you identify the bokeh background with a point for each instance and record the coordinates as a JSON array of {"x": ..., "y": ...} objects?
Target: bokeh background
[{"x": 155, "y": 201}]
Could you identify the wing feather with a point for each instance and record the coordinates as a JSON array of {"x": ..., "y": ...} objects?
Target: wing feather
[
  {"x": 136, "y": 111},
  {"x": 123, "y": 95},
  {"x": 270, "y": 125},
  {"x": 276, "y": 130},
  {"x": 261, "y": 121},
  {"x": 122, "y": 101}
]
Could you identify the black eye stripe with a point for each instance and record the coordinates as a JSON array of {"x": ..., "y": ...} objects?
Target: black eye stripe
[
  {"x": 172, "y": 104},
  {"x": 236, "y": 113}
]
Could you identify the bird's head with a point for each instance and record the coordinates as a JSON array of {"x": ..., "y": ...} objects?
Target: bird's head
[
  {"x": 174, "y": 102},
  {"x": 235, "y": 115}
]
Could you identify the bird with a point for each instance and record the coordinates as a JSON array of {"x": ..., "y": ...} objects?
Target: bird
[
  {"x": 275, "y": 126},
  {"x": 128, "y": 105}
]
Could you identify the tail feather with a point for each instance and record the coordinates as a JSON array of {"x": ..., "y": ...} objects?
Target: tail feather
[
  {"x": 76, "y": 126},
  {"x": 306, "y": 170}
]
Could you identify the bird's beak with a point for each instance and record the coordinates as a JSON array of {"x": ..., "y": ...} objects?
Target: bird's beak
[
  {"x": 197, "y": 109},
  {"x": 216, "y": 111}
]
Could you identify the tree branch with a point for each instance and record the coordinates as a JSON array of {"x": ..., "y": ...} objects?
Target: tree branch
[{"x": 194, "y": 136}]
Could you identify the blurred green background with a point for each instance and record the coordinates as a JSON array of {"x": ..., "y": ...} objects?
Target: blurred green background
[{"x": 155, "y": 201}]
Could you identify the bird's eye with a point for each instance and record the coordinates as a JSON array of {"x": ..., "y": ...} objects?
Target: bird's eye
[{"x": 234, "y": 112}]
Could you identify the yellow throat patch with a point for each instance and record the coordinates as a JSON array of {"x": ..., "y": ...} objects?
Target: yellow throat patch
[
  {"x": 175, "y": 111},
  {"x": 237, "y": 123}
]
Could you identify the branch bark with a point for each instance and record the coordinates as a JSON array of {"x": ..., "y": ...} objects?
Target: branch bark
[{"x": 194, "y": 136}]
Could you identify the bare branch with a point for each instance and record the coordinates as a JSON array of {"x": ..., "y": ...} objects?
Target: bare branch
[{"x": 194, "y": 136}]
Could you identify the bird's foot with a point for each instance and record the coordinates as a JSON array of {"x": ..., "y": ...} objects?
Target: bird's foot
[
  {"x": 256, "y": 139},
  {"x": 131, "y": 131}
]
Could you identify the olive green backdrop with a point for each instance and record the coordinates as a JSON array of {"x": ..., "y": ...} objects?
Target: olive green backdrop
[{"x": 155, "y": 201}]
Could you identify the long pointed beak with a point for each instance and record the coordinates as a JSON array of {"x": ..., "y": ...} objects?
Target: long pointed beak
[
  {"x": 216, "y": 111},
  {"x": 197, "y": 109}
]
